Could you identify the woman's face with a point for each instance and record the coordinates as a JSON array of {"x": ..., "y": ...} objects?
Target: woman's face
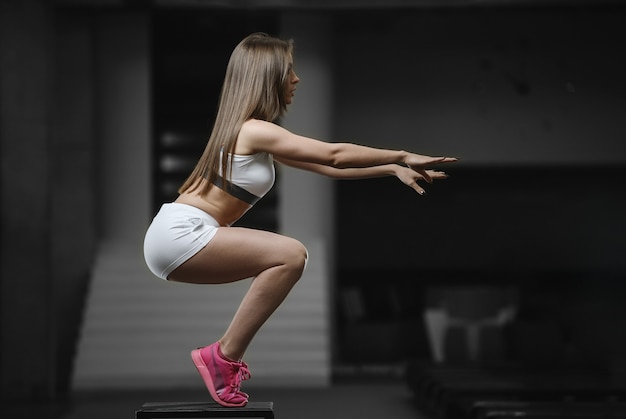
[{"x": 290, "y": 88}]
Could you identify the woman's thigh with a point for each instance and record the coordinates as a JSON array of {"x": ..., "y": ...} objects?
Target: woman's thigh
[{"x": 237, "y": 253}]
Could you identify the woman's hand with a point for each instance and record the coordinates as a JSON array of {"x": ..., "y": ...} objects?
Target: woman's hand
[
  {"x": 418, "y": 163},
  {"x": 410, "y": 177}
]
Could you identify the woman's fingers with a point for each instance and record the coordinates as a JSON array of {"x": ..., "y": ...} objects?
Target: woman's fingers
[
  {"x": 444, "y": 160},
  {"x": 411, "y": 177},
  {"x": 430, "y": 175},
  {"x": 423, "y": 161},
  {"x": 437, "y": 174},
  {"x": 425, "y": 174},
  {"x": 418, "y": 188}
]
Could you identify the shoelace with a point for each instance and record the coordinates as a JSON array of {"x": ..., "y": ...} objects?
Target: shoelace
[{"x": 242, "y": 374}]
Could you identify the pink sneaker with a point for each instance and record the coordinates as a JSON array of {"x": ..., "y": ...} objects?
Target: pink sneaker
[{"x": 222, "y": 378}]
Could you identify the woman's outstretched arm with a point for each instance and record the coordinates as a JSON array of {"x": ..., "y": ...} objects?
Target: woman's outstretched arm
[
  {"x": 407, "y": 175},
  {"x": 261, "y": 136}
]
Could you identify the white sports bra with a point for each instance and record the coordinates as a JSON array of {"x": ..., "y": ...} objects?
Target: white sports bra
[{"x": 252, "y": 177}]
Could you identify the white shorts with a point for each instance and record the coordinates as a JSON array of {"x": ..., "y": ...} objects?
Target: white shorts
[{"x": 176, "y": 233}]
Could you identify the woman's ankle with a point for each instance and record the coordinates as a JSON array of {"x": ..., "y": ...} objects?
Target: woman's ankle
[{"x": 224, "y": 353}]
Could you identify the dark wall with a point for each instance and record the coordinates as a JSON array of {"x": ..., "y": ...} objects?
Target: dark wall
[
  {"x": 494, "y": 86},
  {"x": 532, "y": 101},
  {"x": 47, "y": 138},
  {"x": 26, "y": 310},
  {"x": 73, "y": 175},
  {"x": 512, "y": 221}
]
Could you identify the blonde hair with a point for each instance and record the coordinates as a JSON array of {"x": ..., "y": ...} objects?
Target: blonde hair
[{"x": 254, "y": 88}]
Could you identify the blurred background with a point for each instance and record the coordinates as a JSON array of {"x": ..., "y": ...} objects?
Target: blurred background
[{"x": 513, "y": 266}]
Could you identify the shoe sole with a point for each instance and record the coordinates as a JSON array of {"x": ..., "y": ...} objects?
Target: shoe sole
[{"x": 208, "y": 381}]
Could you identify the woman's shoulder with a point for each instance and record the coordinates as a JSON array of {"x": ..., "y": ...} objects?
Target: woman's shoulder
[
  {"x": 258, "y": 127},
  {"x": 256, "y": 134}
]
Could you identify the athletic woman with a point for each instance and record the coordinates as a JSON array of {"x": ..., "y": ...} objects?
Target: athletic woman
[{"x": 192, "y": 239}]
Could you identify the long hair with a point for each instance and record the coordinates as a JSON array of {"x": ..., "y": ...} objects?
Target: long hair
[{"x": 254, "y": 87}]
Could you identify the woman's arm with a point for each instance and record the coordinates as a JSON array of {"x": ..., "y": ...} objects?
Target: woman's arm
[
  {"x": 407, "y": 175},
  {"x": 257, "y": 136}
]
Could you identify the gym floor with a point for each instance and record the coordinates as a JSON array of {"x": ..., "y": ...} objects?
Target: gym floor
[{"x": 341, "y": 401}]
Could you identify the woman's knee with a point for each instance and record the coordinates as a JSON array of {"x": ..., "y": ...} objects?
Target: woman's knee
[{"x": 297, "y": 256}]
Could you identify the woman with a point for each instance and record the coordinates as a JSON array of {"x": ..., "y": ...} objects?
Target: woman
[{"x": 191, "y": 240}]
